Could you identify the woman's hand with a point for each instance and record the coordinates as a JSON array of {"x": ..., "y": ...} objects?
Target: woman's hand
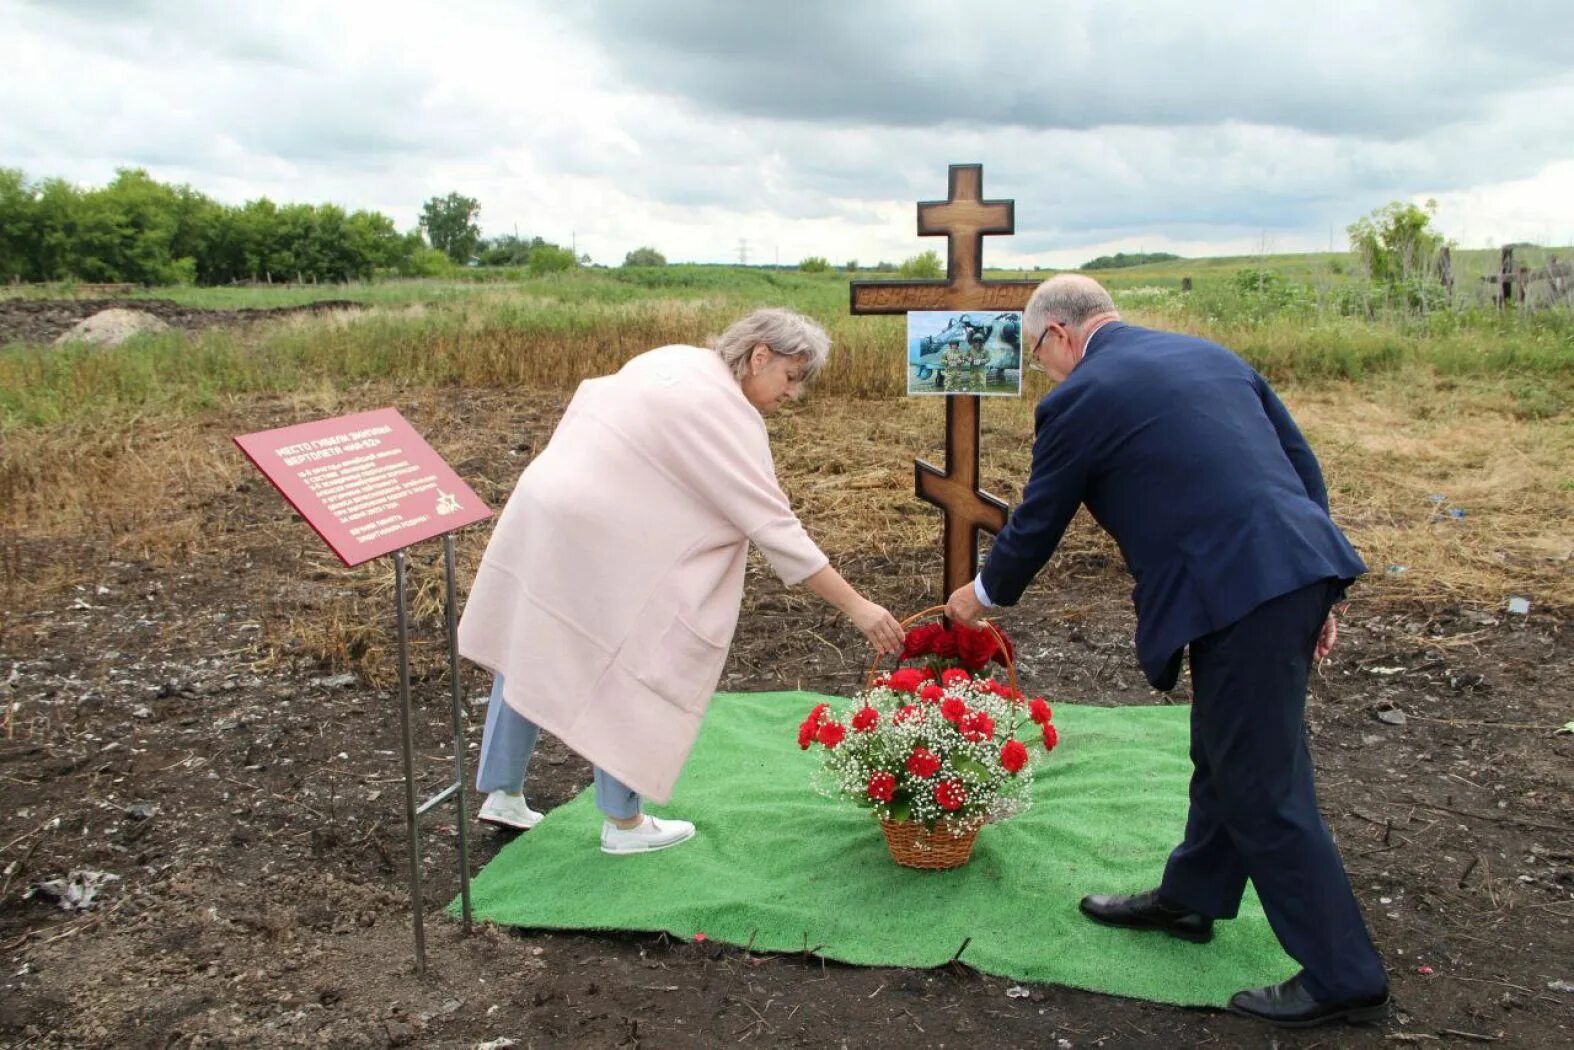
[
  {"x": 879, "y": 626},
  {"x": 876, "y": 623}
]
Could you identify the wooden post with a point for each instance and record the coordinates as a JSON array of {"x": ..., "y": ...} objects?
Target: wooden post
[{"x": 964, "y": 218}]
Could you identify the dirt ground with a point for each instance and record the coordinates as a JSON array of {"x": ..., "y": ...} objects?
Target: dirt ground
[
  {"x": 44, "y": 320},
  {"x": 168, "y": 726}
]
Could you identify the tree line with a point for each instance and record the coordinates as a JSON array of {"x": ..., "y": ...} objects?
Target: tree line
[{"x": 139, "y": 230}]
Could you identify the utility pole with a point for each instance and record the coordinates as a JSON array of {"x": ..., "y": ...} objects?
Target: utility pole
[{"x": 743, "y": 251}]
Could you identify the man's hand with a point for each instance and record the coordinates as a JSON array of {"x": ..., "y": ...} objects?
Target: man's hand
[
  {"x": 964, "y": 606},
  {"x": 1326, "y": 639}
]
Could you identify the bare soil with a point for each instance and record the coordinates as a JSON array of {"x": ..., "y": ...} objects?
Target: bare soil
[
  {"x": 44, "y": 320},
  {"x": 248, "y": 797}
]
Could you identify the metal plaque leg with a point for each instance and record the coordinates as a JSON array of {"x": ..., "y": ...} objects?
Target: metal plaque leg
[
  {"x": 417, "y": 905},
  {"x": 459, "y": 732}
]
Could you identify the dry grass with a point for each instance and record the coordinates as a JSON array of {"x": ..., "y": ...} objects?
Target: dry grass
[{"x": 172, "y": 492}]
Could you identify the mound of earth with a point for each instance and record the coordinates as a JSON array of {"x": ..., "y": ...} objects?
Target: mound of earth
[
  {"x": 46, "y": 320},
  {"x": 112, "y": 327}
]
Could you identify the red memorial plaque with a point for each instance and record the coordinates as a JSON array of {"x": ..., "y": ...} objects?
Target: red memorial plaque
[{"x": 367, "y": 483}]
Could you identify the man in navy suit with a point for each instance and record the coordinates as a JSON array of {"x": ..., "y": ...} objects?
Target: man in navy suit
[{"x": 1187, "y": 458}]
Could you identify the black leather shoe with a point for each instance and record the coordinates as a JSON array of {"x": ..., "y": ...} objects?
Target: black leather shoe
[
  {"x": 1290, "y": 1005},
  {"x": 1148, "y": 911}
]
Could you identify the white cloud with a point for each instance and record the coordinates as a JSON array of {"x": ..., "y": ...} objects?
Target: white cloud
[{"x": 813, "y": 128}]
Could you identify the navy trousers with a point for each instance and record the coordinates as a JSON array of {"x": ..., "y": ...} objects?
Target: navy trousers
[{"x": 1254, "y": 803}]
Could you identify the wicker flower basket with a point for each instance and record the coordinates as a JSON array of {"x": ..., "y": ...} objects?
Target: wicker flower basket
[{"x": 913, "y": 845}]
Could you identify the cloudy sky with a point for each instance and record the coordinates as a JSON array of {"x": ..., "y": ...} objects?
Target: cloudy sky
[{"x": 810, "y": 127}]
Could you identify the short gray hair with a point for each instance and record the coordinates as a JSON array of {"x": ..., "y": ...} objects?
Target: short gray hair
[
  {"x": 1068, "y": 299},
  {"x": 785, "y": 332}
]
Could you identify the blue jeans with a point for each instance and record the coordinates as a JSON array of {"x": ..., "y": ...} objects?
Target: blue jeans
[{"x": 507, "y": 744}]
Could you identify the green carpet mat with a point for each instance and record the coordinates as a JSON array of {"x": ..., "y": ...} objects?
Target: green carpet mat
[{"x": 780, "y": 867}]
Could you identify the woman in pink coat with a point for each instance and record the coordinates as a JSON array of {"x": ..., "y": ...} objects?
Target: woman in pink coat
[{"x": 606, "y": 600}]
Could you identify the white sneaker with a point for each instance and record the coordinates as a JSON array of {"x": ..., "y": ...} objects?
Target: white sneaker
[
  {"x": 509, "y": 811},
  {"x": 647, "y": 836}
]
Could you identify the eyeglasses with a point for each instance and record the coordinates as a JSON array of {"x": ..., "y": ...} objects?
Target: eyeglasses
[{"x": 1035, "y": 365}]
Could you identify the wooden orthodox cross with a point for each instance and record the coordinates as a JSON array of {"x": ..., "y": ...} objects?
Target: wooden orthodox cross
[{"x": 963, "y": 218}]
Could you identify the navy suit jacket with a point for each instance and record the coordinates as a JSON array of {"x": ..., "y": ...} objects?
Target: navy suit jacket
[{"x": 1190, "y": 461}]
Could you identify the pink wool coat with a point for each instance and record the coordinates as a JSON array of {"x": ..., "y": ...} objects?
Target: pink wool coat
[{"x": 609, "y": 592}]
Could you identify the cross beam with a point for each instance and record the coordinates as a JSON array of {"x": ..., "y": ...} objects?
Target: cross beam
[{"x": 964, "y": 219}]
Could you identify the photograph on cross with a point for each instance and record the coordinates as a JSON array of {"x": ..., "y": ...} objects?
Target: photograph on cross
[{"x": 979, "y": 352}]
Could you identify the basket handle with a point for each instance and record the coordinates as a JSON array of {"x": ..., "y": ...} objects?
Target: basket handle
[{"x": 1011, "y": 664}]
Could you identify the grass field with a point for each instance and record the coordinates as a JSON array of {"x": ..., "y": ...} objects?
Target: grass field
[{"x": 1413, "y": 415}]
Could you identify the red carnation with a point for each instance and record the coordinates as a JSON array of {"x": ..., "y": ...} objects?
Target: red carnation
[
  {"x": 1013, "y": 756},
  {"x": 818, "y": 714},
  {"x": 974, "y": 646},
  {"x": 1039, "y": 711},
  {"x": 950, "y": 794},
  {"x": 945, "y": 645},
  {"x": 831, "y": 734},
  {"x": 1004, "y": 691},
  {"x": 882, "y": 786},
  {"x": 952, "y": 709},
  {"x": 977, "y": 726},
  {"x": 865, "y": 719},
  {"x": 920, "y": 641},
  {"x": 923, "y": 763},
  {"x": 806, "y": 731},
  {"x": 907, "y": 680},
  {"x": 931, "y": 694},
  {"x": 952, "y": 675},
  {"x": 908, "y": 713},
  {"x": 1051, "y": 736}
]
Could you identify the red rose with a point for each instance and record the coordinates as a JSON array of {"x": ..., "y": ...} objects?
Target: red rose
[
  {"x": 974, "y": 646},
  {"x": 923, "y": 763},
  {"x": 831, "y": 734},
  {"x": 952, "y": 709},
  {"x": 1051, "y": 736},
  {"x": 907, "y": 680},
  {"x": 950, "y": 794},
  {"x": 931, "y": 694},
  {"x": 977, "y": 726},
  {"x": 1039, "y": 711},
  {"x": 952, "y": 675},
  {"x": 908, "y": 713},
  {"x": 865, "y": 719},
  {"x": 882, "y": 786},
  {"x": 1013, "y": 756},
  {"x": 920, "y": 641}
]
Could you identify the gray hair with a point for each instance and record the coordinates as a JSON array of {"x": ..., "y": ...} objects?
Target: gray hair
[
  {"x": 785, "y": 332},
  {"x": 1069, "y": 299}
]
